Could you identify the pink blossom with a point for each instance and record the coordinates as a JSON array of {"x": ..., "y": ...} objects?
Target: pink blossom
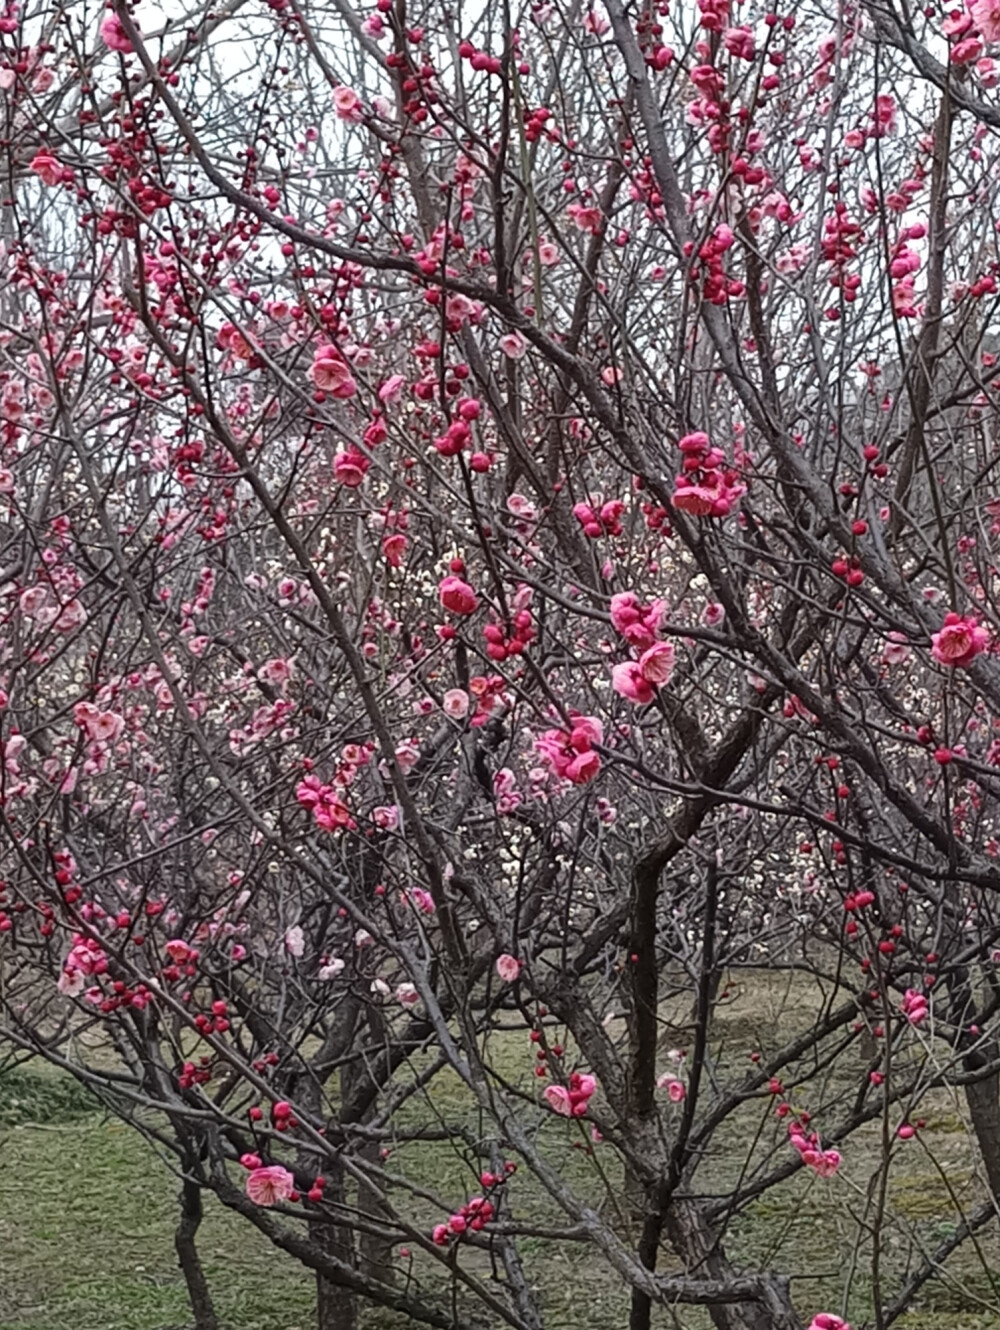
[
  {"x": 101, "y": 726},
  {"x": 570, "y": 753},
  {"x": 896, "y": 650},
  {"x": 959, "y": 641},
  {"x": 508, "y": 968},
  {"x": 457, "y": 596},
  {"x": 455, "y": 703},
  {"x": 513, "y": 345},
  {"x": 295, "y": 941},
  {"x": 827, "y": 1163},
  {"x": 406, "y": 995},
  {"x": 827, "y": 1321},
  {"x": 629, "y": 680},
  {"x": 637, "y": 623},
  {"x": 347, "y": 104},
  {"x": 47, "y": 167},
  {"x": 113, "y": 34},
  {"x": 676, "y": 1090},
  {"x": 390, "y": 390},
  {"x": 914, "y": 1006},
  {"x": 331, "y": 969},
  {"x": 986, "y": 16},
  {"x": 268, "y": 1186},
  {"x": 331, "y": 373},
  {"x": 423, "y": 900},
  {"x": 739, "y": 43},
  {"x": 964, "y": 52},
  {"x": 657, "y": 663},
  {"x": 350, "y": 468},
  {"x": 557, "y": 1098}
]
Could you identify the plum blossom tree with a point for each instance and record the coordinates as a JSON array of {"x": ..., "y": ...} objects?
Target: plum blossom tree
[{"x": 498, "y": 528}]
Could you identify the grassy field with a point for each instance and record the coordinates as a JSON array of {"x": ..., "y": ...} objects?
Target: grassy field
[{"x": 87, "y": 1212}]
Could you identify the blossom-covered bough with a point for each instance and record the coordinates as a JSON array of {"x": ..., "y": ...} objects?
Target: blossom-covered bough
[{"x": 498, "y": 525}]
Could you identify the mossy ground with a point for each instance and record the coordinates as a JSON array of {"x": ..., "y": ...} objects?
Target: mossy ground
[{"x": 88, "y": 1209}]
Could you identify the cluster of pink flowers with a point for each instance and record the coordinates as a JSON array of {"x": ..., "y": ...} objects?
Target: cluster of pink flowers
[
  {"x": 905, "y": 262},
  {"x": 980, "y": 23},
  {"x": 823, "y": 1162},
  {"x": 476, "y": 1213},
  {"x": 508, "y": 797},
  {"x": 570, "y": 753},
  {"x": 717, "y": 287},
  {"x": 100, "y": 726},
  {"x": 571, "y": 1101},
  {"x": 86, "y": 958},
  {"x": 639, "y": 624},
  {"x": 959, "y": 641},
  {"x": 501, "y": 644},
  {"x": 459, "y": 432},
  {"x": 638, "y": 680},
  {"x": 600, "y": 519},
  {"x": 328, "y": 808},
  {"x": 915, "y": 1006},
  {"x": 705, "y": 487},
  {"x": 827, "y": 1321}
]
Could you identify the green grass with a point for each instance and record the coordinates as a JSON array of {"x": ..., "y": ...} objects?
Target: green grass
[
  {"x": 87, "y": 1213},
  {"x": 88, "y": 1209}
]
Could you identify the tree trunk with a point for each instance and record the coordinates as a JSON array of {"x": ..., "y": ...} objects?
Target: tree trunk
[
  {"x": 376, "y": 1250},
  {"x": 701, "y": 1249},
  {"x": 983, "y": 1099},
  {"x": 336, "y": 1307},
  {"x": 189, "y": 1260}
]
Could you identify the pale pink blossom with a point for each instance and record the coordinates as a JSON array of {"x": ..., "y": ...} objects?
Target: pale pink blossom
[
  {"x": 557, "y": 1098},
  {"x": 676, "y": 1090},
  {"x": 347, "y": 104},
  {"x": 513, "y": 345},
  {"x": 268, "y": 1186},
  {"x": 455, "y": 703},
  {"x": 391, "y": 389},
  {"x": 986, "y": 16},
  {"x": 295, "y": 941},
  {"x": 896, "y": 650},
  {"x": 508, "y": 968},
  {"x": 330, "y": 969},
  {"x": 331, "y": 373}
]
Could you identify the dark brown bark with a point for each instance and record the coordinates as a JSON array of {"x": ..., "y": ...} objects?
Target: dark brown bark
[
  {"x": 336, "y": 1306},
  {"x": 187, "y": 1257},
  {"x": 983, "y": 1099}
]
